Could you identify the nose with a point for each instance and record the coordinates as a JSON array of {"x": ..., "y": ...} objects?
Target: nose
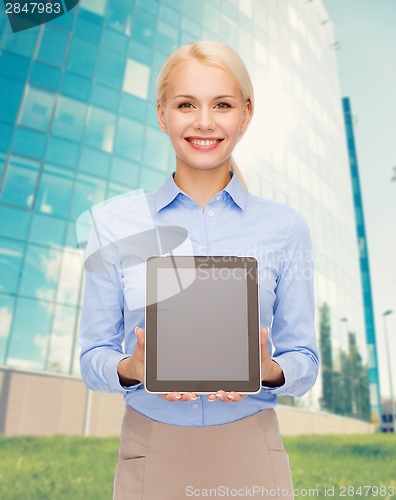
[{"x": 204, "y": 120}]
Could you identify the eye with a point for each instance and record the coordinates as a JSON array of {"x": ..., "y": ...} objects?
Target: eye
[
  {"x": 185, "y": 105},
  {"x": 223, "y": 105}
]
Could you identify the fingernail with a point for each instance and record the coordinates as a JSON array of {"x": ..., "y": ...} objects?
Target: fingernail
[
  {"x": 193, "y": 399},
  {"x": 136, "y": 328},
  {"x": 219, "y": 396},
  {"x": 178, "y": 397},
  {"x": 211, "y": 400},
  {"x": 230, "y": 397}
]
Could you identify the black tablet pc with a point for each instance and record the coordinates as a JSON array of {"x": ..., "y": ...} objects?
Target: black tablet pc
[{"x": 202, "y": 324}]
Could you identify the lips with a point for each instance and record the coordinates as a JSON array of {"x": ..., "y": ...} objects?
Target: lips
[{"x": 204, "y": 143}]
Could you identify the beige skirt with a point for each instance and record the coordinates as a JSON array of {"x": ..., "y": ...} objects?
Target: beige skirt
[{"x": 242, "y": 459}]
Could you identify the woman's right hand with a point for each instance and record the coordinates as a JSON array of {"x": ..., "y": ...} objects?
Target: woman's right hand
[{"x": 131, "y": 370}]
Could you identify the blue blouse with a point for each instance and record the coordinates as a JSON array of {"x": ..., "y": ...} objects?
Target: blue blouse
[{"x": 235, "y": 222}]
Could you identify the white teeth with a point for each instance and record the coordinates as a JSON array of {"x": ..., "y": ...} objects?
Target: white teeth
[{"x": 203, "y": 143}]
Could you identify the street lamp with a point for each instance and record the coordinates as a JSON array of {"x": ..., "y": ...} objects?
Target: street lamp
[{"x": 385, "y": 314}]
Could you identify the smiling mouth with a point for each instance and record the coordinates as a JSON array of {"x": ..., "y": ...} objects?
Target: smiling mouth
[{"x": 203, "y": 143}]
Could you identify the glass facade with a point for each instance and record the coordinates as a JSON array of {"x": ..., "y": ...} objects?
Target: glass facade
[{"x": 78, "y": 124}]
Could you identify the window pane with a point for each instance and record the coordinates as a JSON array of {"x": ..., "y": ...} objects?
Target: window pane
[
  {"x": 62, "y": 332},
  {"x": 13, "y": 66},
  {"x": 125, "y": 172},
  {"x": 129, "y": 138},
  {"x": 48, "y": 231},
  {"x": 69, "y": 119},
  {"x": 6, "y": 314},
  {"x": 54, "y": 192},
  {"x": 110, "y": 67},
  {"x": 144, "y": 27},
  {"x": 156, "y": 156},
  {"x": 20, "y": 182},
  {"x": 10, "y": 98},
  {"x": 75, "y": 86},
  {"x": 94, "y": 162},
  {"x": 99, "y": 131},
  {"x": 82, "y": 57},
  {"x": 70, "y": 277},
  {"x": 22, "y": 44},
  {"x": 40, "y": 272},
  {"x": 37, "y": 109},
  {"x": 119, "y": 16},
  {"x": 53, "y": 46},
  {"x": 87, "y": 192},
  {"x": 115, "y": 41},
  {"x": 11, "y": 255},
  {"x": 30, "y": 334},
  {"x": 140, "y": 52},
  {"x": 105, "y": 97},
  {"x": 5, "y": 139},
  {"x": 133, "y": 107},
  {"x": 88, "y": 26},
  {"x": 95, "y": 6},
  {"x": 44, "y": 75},
  {"x": 136, "y": 79},
  {"x": 29, "y": 142},
  {"x": 14, "y": 223},
  {"x": 62, "y": 152}
]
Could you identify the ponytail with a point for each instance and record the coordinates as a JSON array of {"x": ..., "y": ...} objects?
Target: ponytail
[{"x": 234, "y": 168}]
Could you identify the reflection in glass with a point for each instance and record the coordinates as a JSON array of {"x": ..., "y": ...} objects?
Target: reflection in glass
[
  {"x": 69, "y": 119},
  {"x": 37, "y": 109},
  {"x": 14, "y": 222},
  {"x": 99, "y": 131},
  {"x": 20, "y": 182},
  {"x": 136, "y": 79},
  {"x": 69, "y": 280},
  {"x": 29, "y": 142},
  {"x": 45, "y": 230},
  {"x": 62, "y": 152},
  {"x": 53, "y": 46},
  {"x": 61, "y": 340},
  {"x": 30, "y": 334},
  {"x": 54, "y": 193},
  {"x": 6, "y": 315},
  {"x": 40, "y": 272},
  {"x": 129, "y": 139},
  {"x": 110, "y": 67},
  {"x": 11, "y": 255},
  {"x": 154, "y": 157},
  {"x": 10, "y": 98},
  {"x": 82, "y": 57},
  {"x": 87, "y": 192}
]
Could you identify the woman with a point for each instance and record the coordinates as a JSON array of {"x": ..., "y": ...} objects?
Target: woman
[{"x": 178, "y": 445}]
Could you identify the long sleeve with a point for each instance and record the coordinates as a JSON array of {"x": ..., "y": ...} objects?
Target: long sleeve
[
  {"x": 102, "y": 319},
  {"x": 292, "y": 331}
]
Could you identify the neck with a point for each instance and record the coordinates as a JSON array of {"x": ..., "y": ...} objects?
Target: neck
[{"x": 202, "y": 185}]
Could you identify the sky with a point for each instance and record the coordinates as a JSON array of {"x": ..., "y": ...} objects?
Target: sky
[{"x": 366, "y": 30}]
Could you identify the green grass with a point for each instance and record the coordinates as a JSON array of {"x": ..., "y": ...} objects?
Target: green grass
[{"x": 76, "y": 468}]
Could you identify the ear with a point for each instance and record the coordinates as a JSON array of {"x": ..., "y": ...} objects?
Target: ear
[
  {"x": 247, "y": 116},
  {"x": 161, "y": 118}
]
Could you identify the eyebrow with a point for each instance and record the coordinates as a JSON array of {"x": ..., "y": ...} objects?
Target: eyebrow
[{"x": 192, "y": 97}]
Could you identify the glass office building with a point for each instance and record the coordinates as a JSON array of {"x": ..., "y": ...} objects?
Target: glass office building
[{"x": 78, "y": 126}]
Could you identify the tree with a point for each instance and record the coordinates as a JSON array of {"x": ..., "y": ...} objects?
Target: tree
[{"x": 326, "y": 354}]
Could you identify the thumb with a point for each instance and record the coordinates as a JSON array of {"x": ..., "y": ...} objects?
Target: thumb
[
  {"x": 140, "y": 335},
  {"x": 264, "y": 332}
]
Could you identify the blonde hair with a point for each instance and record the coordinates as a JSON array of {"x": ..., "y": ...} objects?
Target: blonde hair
[{"x": 213, "y": 54}]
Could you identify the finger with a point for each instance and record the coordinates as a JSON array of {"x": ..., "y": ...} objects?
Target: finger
[
  {"x": 140, "y": 336},
  {"x": 235, "y": 396},
  {"x": 189, "y": 396},
  {"x": 172, "y": 396},
  {"x": 222, "y": 396}
]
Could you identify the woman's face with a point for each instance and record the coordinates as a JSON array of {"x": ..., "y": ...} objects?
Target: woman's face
[{"x": 203, "y": 114}]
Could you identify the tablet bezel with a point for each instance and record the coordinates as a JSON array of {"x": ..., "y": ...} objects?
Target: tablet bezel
[{"x": 155, "y": 386}]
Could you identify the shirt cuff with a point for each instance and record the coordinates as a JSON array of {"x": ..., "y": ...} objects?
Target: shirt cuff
[
  {"x": 288, "y": 373},
  {"x": 111, "y": 374}
]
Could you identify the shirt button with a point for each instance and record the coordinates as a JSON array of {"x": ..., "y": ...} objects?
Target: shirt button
[
  {"x": 195, "y": 406},
  {"x": 201, "y": 248},
  {"x": 210, "y": 214},
  {"x": 218, "y": 198}
]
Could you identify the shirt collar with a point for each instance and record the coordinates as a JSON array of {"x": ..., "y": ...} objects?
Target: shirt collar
[{"x": 170, "y": 190}]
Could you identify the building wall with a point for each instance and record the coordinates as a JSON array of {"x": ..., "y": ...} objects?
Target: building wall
[
  {"x": 78, "y": 124},
  {"x": 45, "y": 405}
]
